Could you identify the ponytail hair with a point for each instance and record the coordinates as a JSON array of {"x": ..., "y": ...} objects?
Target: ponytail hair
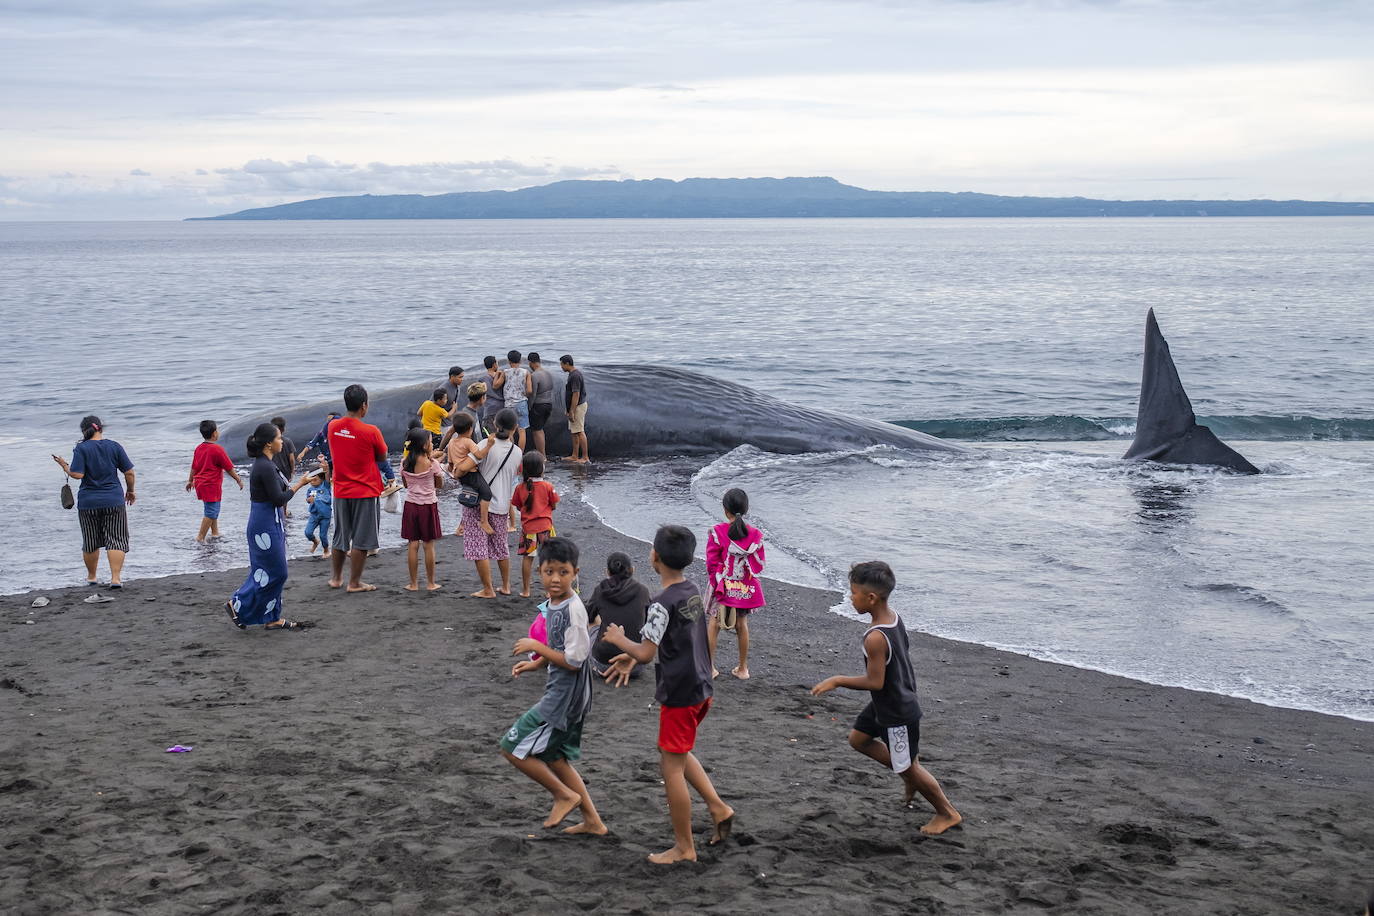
[
  {"x": 619, "y": 567},
  {"x": 262, "y": 435},
  {"x": 417, "y": 444},
  {"x": 736, "y": 502},
  {"x": 90, "y": 425},
  {"x": 531, "y": 467},
  {"x": 506, "y": 423}
]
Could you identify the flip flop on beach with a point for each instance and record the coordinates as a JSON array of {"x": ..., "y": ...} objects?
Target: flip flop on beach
[
  {"x": 229, "y": 609},
  {"x": 97, "y": 598},
  {"x": 290, "y": 625}
]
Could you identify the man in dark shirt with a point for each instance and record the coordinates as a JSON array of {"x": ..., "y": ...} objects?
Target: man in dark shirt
[
  {"x": 496, "y": 395},
  {"x": 541, "y": 401},
  {"x": 457, "y": 395},
  {"x": 675, "y": 632},
  {"x": 575, "y": 400},
  {"x": 285, "y": 460}
]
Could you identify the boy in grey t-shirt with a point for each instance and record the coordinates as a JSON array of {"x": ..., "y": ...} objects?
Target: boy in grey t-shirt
[
  {"x": 496, "y": 393},
  {"x": 541, "y": 401},
  {"x": 545, "y": 741}
]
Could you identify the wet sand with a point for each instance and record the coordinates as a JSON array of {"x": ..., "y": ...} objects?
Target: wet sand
[{"x": 353, "y": 768}]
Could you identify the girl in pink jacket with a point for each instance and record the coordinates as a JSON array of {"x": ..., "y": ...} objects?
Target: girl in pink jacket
[{"x": 734, "y": 561}]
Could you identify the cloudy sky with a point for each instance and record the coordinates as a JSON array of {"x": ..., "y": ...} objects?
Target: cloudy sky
[{"x": 157, "y": 109}]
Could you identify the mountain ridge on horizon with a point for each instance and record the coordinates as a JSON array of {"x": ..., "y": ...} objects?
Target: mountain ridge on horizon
[{"x": 699, "y": 198}]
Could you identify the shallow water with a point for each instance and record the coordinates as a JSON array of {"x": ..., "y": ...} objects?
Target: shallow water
[
  {"x": 1021, "y": 336},
  {"x": 1186, "y": 577}
]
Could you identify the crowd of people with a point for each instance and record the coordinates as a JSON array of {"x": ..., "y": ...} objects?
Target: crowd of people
[{"x": 621, "y": 627}]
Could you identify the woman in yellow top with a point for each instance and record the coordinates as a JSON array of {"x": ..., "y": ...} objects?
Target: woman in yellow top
[{"x": 434, "y": 412}]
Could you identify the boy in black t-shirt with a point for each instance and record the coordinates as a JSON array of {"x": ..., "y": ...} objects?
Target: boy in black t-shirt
[
  {"x": 889, "y": 727},
  {"x": 675, "y": 632}
]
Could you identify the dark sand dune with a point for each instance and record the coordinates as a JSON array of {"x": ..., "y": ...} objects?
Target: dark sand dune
[{"x": 353, "y": 769}]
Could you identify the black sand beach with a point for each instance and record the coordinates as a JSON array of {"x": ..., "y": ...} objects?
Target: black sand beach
[{"x": 353, "y": 768}]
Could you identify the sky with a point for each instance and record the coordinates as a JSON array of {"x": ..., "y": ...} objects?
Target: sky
[{"x": 163, "y": 109}]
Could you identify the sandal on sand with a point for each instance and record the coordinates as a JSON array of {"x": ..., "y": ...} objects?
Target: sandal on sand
[
  {"x": 722, "y": 831},
  {"x": 290, "y": 625},
  {"x": 97, "y": 598},
  {"x": 229, "y": 609}
]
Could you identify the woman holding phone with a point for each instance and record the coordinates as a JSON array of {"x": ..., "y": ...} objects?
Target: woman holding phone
[{"x": 258, "y": 600}]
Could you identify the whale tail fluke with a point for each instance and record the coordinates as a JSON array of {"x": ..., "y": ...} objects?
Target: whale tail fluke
[{"x": 1166, "y": 428}]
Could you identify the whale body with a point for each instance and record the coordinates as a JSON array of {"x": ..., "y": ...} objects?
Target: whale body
[
  {"x": 635, "y": 411},
  {"x": 1166, "y": 429}
]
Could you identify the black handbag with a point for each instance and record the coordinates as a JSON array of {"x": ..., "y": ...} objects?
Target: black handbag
[
  {"x": 468, "y": 496},
  {"x": 68, "y": 500}
]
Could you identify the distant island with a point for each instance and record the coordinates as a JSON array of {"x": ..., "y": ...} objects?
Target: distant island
[{"x": 699, "y": 198}]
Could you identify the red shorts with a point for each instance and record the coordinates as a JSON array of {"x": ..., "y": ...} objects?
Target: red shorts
[{"x": 677, "y": 726}]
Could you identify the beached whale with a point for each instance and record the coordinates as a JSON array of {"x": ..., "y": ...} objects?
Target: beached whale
[
  {"x": 1166, "y": 429},
  {"x": 636, "y": 411}
]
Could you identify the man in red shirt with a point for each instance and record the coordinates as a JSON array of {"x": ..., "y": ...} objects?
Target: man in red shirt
[
  {"x": 209, "y": 464},
  {"x": 355, "y": 448}
]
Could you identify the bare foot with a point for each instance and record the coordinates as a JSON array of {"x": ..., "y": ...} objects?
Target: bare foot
[
  {"x": 200, "y": 540},
  {"x": 505, "y": 590},
  {"x": 714, "y": 674},
  {"x": 483, "y": 594},
  {"x": 325, "y": 555},
  {"x": 411, "y": 588},
  {"x": 669, "y": 856},
  {"x": 909, "y": 792},
  {"x": 724, "y": 824},
  {"x": 334, "y": 583},
  {"x": 940, "y": 823},
  {"x": 562, "y": 807},
  {"x": 741, "y": 673},
  {"x": 434, "y": 586},
  {"x": 362, "y": 587},
  {"x": 525, "y": 594},
  {"x": 597, "y": 829}
]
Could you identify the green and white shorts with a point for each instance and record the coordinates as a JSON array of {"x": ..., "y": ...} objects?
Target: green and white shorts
[{"x": 531, "y": 736}]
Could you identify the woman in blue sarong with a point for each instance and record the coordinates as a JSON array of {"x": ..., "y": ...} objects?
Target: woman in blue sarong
[{"x": 258, "y": 600}]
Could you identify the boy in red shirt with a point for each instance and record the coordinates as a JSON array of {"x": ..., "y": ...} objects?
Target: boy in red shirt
[
  {"x": 209, "y": 464},
  {"x": 535, "y": 498}
]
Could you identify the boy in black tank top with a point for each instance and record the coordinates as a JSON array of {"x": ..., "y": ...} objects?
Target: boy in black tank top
[{"x": 889, "y": 727}]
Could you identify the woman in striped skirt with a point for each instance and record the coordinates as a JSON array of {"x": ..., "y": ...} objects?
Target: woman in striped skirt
[
  {"x": 258, "y": 600},
  {"x": 98, "y": 463}
]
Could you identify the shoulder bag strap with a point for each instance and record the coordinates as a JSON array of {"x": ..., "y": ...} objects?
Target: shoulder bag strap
[{"x": 501, "y": 465}]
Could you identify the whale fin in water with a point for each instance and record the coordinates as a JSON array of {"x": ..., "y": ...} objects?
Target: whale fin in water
[{"x": 1166, "y": 428}]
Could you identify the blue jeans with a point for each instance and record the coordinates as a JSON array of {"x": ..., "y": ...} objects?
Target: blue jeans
[
  {"x": 212, "y": 509},
  {"x": 318, "y": 523}
]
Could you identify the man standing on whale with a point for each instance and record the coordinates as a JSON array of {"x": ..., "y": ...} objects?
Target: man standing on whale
[{"x": 355, "y": 448}]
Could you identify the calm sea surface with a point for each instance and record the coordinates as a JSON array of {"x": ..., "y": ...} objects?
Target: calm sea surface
[{"x": 1021, "y": 337}]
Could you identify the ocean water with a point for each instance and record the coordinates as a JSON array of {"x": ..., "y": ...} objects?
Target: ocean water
[{"x": 1021, "y": 338}]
